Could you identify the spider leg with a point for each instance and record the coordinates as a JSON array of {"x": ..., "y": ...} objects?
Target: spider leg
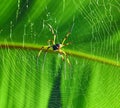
[
  {"x": 40, "y": 51},
  {"x": 50, "y": 41},
  {"x": 63, "y": 52},
  {"x": 66, "y": 37},
  {"x": 62, "y": 57},
  {"x": 53, "y": 33},
  {"x": 67, "y": 44},
  {"x": 45, "y": 48}
]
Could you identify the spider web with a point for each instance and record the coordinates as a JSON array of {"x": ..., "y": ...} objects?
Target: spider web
[
  {"x": 52, "y": 80},
  {"x": 101, "y": 34}
]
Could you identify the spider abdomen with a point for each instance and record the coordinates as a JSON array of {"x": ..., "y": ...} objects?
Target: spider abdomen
[{"x": 56, "y": 46}]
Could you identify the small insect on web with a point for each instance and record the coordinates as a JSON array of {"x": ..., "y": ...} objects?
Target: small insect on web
[{"x": 56, "y": 46}]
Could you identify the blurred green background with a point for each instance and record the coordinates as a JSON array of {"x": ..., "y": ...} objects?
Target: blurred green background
[{"x": 49, "y": 82}]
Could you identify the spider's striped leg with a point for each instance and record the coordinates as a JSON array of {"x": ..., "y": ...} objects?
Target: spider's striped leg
[
  {"x": 62, "y": 57},
  {"x": 40, "y": 51},
  {"x": 68, "y": 60},
  {"x": 66, "y": 37},
  {"x": 53, "y": 33},
  {"x": 62, "y": 52},
  {"x": 47, "y": 48},
  {"x": 49, "y": 41},
  {"x": 67, "y": 44}
]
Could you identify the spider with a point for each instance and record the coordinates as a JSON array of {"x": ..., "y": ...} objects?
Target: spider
[{"x": 56, "y": 46}]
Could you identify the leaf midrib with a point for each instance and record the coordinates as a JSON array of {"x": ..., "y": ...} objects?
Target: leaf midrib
[{"x": 69, "y": 52}]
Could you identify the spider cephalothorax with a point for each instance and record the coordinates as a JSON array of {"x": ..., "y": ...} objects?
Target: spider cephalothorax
[{"x": 54, "y": 46}]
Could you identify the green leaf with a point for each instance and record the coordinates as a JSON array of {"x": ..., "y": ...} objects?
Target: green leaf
[{"x": 91, "y": 80}]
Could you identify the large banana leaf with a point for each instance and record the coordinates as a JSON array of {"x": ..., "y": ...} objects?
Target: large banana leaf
[{"x": 91, "y": 80}]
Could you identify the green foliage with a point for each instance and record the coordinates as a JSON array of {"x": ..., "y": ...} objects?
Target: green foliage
[{"x": 92, "y": 79}]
